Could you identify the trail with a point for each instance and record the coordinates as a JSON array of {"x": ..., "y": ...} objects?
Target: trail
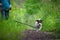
[{"x": 34, "y": 35}]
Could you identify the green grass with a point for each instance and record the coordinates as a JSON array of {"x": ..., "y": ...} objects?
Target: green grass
[{"x": 11, "y": 30}]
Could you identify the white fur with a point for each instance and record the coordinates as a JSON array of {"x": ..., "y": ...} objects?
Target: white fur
[{"x": 36, "y": 24}]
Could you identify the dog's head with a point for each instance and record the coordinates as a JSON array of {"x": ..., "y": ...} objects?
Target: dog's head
[{"x": 39, "y": 21}]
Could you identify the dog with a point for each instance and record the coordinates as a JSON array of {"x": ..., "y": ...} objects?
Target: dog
[{"x": 38, "y": 24}]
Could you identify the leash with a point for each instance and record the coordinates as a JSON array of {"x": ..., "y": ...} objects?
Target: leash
[{"x": 24, "y": 24}]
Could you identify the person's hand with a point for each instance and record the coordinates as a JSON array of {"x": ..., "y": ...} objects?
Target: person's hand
[{"x": 10, "y": 7}]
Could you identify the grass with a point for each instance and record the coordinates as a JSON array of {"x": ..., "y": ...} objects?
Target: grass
[{"x": 11, "y": 30}]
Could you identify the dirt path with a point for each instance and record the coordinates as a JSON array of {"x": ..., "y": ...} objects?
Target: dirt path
[{"x": 34, "y": 35}]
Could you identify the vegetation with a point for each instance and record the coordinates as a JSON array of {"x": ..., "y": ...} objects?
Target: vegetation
[{"x": 47, "y": 10}]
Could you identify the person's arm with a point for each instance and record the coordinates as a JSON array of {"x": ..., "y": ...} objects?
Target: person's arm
[{"x": 9, "y": 3}]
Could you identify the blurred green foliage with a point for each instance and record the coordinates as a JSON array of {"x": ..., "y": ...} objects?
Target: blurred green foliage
[{"x": 47, "y": 10}]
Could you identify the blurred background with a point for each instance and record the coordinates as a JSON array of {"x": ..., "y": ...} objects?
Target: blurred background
[{"x": 27, "y": 11}]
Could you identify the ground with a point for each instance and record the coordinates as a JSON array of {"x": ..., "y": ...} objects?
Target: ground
[{"x": 37, "y": 35}]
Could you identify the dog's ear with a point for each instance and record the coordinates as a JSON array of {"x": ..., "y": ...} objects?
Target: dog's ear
[{"x": 40, "y": 21}]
